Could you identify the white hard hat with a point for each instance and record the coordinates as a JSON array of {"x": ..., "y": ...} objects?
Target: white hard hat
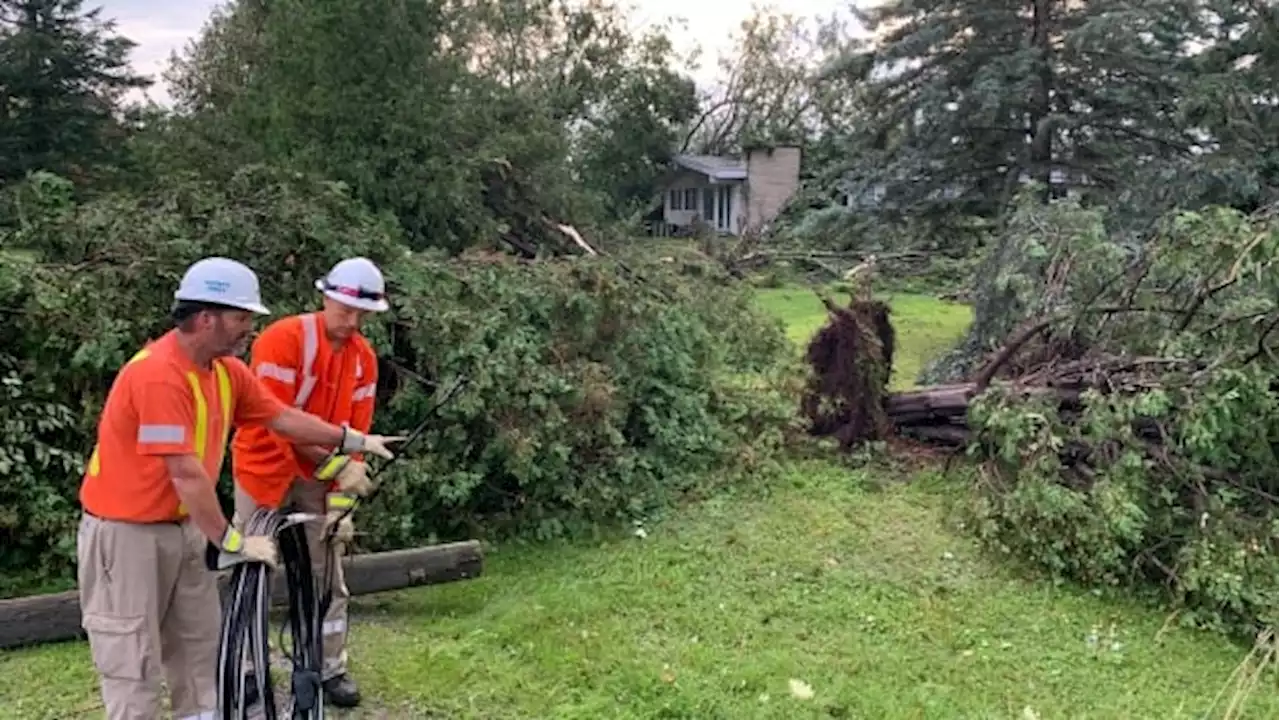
[
  {"x": 356, "y": 282},
  {"x": 221, "y": 281}
]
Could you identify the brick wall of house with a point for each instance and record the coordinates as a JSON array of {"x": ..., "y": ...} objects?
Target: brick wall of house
[{"x": 773, "y": 176}]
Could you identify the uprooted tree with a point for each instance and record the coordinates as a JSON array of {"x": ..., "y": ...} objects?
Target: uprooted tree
[{"x": 1121, "y": 397}]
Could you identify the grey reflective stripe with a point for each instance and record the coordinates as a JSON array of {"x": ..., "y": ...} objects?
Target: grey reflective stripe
[
  {"x": 206, "y": 715},
  {"x": 310, "y": 346},
  {"x": 277, "y": 372},
  {"x": 161, "y": 433},
  {"x": 364, "y": 392},
  {"x": 333, "y": 627}
]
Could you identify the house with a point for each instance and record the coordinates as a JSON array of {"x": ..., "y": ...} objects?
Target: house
[{"x": 732, "y": 195}]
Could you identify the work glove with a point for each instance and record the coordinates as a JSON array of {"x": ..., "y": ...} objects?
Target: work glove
[
  {"x": 354, "y": 441},
  {"x": 254, "y": 548},
  {"x": 337, "y": 505},
  {"x": 352, "y": 476},
  {"x": 261, "y": 548}
]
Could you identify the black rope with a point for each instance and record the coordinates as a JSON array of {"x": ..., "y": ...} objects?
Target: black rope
[
  {"x": 246, "y": 627},
  {"x": 245, "y": 619}
]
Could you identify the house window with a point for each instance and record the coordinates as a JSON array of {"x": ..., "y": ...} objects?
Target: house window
[
  {"x": 674, "y": 200},
  {"x": 691, "y": 199}
]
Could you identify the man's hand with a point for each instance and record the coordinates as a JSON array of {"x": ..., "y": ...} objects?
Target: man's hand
[
  {"x": 256, "y": 548},
  {"x": 261, "y": 548},
  {"x": 338, "y": 511},
  {"x": 346, "y": 531},
  {"x": 355, "y": 441},
  {"x": 352, "y": 476}
]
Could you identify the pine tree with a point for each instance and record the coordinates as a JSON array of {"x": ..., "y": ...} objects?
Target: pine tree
[
  {"x": 63, "y": 74},
  {"x": 966, "y": 100}
]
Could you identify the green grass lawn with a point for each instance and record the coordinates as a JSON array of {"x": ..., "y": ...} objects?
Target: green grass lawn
[{"x": 829, "y": 593}]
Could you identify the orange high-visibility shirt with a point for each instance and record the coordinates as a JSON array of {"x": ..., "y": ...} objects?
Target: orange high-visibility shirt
[
  {"x": 296, "y": 362},
  {"x": 161, "y": 403}
]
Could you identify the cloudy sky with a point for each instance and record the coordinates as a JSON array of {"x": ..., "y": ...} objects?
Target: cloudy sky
[{"x": 164, "y": 26}]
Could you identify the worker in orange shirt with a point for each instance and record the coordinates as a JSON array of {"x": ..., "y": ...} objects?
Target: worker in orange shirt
[
  {"x": 149, "y": 604},
  {"x": 320, "y": 363}
]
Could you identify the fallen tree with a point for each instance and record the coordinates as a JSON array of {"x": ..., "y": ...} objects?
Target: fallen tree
[
  {"x": 596, "y": 396},
  {"x": 54, "y": 617},
  {"x": 1125, "y": 424}
]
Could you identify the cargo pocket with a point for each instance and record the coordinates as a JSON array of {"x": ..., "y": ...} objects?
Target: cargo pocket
[{"x": 118, "y": 644}]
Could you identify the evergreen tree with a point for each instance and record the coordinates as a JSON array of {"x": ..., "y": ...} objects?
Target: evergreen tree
[
  {"x": 63, "y": 75},
  {"x": 966, "y": 100}
]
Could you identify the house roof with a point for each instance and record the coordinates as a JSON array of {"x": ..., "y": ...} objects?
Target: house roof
[{"x": 715, "y": 167}]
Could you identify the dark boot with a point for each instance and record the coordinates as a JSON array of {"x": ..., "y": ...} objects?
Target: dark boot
[{"x": 341, "y": 691}]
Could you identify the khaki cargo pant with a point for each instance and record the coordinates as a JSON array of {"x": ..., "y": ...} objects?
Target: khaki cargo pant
[
  {"x": 151, "y": 610},
  {"x": 309, "y": 497}
]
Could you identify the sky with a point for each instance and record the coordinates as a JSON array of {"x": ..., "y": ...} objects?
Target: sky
[{"x": 161, "y": 27}]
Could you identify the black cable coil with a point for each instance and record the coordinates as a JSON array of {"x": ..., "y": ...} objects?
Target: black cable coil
[{"x": 246, "y": 626}]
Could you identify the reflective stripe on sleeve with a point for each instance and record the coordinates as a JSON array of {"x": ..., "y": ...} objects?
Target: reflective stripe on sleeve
[
  {"x": 277, "y": 372},
  {"x": 169, "y": 434},
  {"x": 364, "y": 392}
]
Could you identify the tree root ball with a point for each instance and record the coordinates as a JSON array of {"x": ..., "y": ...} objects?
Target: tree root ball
[{"x": 850, "y": 358}]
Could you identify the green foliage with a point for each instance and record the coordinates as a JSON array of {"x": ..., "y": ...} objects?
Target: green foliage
[
  {"x": 466, "y": 121},
  {"x": 83, "y": 286},
  {"x": 63, "y": 70},
  {"x": 1171, "y": 475},
  {"x": 595, "y": 396}
]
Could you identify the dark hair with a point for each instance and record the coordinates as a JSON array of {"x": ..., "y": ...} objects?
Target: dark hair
[{"x": 184, "y": 312}]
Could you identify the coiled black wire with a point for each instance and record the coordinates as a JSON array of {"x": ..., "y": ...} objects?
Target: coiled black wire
[
  {"x": 246, "y": 625},
  {"x": 245, "y": 617}
]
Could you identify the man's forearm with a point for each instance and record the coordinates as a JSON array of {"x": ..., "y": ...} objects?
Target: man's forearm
[
  {"x": 313, "y": 453},
  {"x": 306, "y": 429},
  {"x": 196, "y": 491}
]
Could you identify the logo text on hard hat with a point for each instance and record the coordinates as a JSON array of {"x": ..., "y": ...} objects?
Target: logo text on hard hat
[{"x": 217, "y": 286}]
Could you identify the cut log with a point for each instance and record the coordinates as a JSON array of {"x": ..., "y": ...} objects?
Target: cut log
[
  {"x": 49, "y": 618},
  {"x": 942, "y": 404}
]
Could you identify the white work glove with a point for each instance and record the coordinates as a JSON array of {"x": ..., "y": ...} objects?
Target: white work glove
[
  {"x": 354, "y": 441},
  {"x": 261, "y": 548},
  {"x": 255, "y": 548},
  {"x": 352, "y": 476}
]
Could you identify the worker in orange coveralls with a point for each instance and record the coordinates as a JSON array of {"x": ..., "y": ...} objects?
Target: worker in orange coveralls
[
  {"x": 149, "y": 604},
  {"x": 320, "y": 363}
]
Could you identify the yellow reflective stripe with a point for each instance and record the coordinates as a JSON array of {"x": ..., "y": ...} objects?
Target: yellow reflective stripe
[
  {"x": 202, "y": 414},
  {"x": 330, "y": 467},
  {"x": 202, "y": 424},
  {"x": 339, "y": 501},
  {"x": 140, "y": 355},
  {"x": 232, "y": 540},
  {"x": 224, "y": 399}
]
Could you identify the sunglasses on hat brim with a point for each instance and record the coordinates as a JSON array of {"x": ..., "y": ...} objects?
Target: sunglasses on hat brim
[{"x": 360, "y": 293}]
